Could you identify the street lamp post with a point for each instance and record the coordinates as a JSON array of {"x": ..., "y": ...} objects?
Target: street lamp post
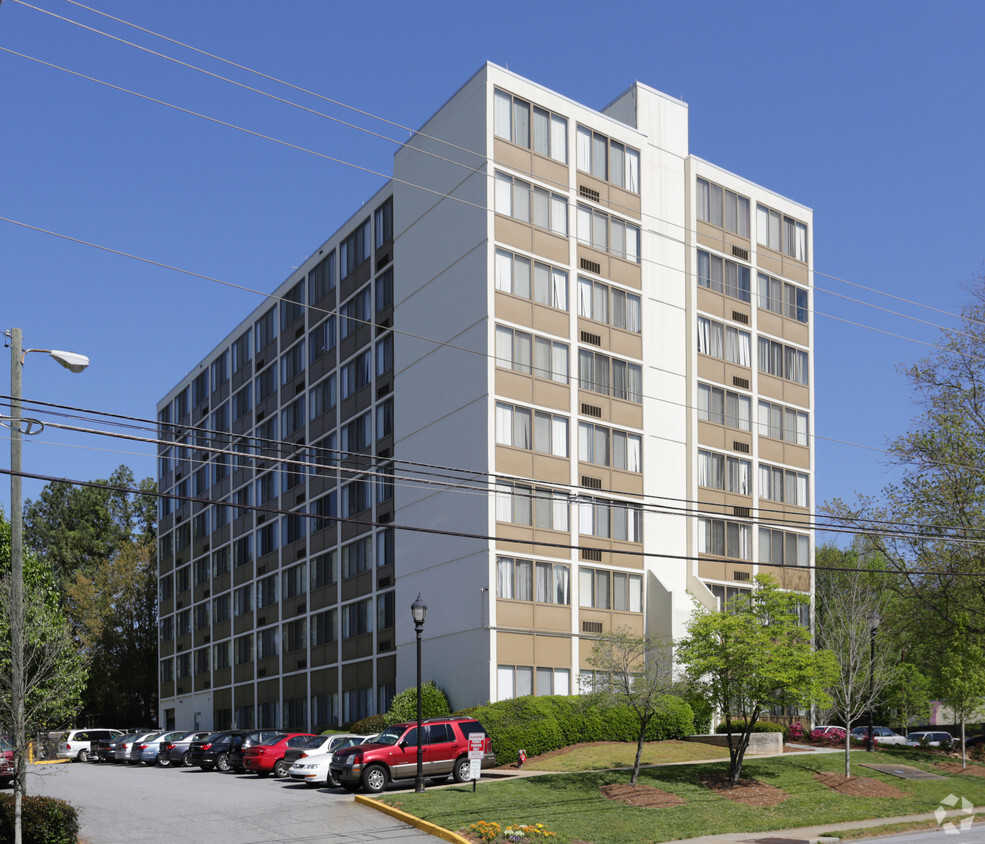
[
  {"x": 873, "y": 627},
  {"x": 419, "y": 611},
  {"x": 75, "y": 363}
]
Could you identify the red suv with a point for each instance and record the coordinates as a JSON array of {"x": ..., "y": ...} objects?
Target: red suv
[{"x": 393, "y": 754}]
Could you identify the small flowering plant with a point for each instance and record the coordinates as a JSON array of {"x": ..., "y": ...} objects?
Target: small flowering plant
[{"x": 514, "y": 833}]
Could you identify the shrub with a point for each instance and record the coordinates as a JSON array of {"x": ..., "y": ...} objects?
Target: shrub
[
  {"x": 434, "y": 704},
  {"x": 758, "y": 727},
  {"x": 370, "y": 725},
  {"x": 45, "y": 820},
  {"x": 540, "y": 724},
  {"x": 795, "y": 732}
]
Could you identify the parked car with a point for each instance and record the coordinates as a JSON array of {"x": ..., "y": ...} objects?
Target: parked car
[
  {"x": 177, "y": 751},
  {"x": 104, "y": 750},
  {"x": 150, "y": 748},
  {"x": 929, "y": 738},
  {"x": 393, "y": 755},
  {"x": 880, "y": 735},
  {"x": 318, "y": 745},
  {"x": 313, "y": 767},
  {"x": 268, "y": 758},
  {"x": 6, "y": 761},
  {"x": 211, "y": 751},
  {"x": 242, "y": 739},
  {"x": 974, "y": 741},
  {"x": 77, "y": 743},
  {"x": 124, "y": 749}
]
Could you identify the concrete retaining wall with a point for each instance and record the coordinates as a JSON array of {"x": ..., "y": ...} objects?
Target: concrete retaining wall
[{"x": 760, "y": 744}]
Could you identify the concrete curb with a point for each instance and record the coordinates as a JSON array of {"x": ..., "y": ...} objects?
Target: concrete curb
[{"x": 411, "y": 820}]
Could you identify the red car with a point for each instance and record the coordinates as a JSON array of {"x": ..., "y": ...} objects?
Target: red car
[{"x": 266, "y": 759}]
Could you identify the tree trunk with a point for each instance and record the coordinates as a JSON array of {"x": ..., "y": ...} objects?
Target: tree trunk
[
  {"x": 964, "y": 758},
  {"x": 639, "y": 752},
  {"x": 848, "y": 749}
]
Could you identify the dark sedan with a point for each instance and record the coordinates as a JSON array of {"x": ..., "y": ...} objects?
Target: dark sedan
[
  {"x": 177, "y": 752},
  {"x": 211, "y": 752}
]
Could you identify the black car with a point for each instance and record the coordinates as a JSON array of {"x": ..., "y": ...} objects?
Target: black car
[
  {"x": 212, "y": 751},
  {"x": 177, "y": 752},
  {"x": 242, "y": 739},
  {"x": 974, "y": 741}
]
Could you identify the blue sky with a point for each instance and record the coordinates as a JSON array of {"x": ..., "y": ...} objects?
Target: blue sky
[{"x": 869, "y": 113}]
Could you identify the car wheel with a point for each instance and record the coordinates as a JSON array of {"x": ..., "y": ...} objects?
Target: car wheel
[
  {"x": 222, "y": 762},
  {"x": 187, "y": 758},
  {"x": 82, "y": 756},
  {"x": 332, "y": 780},
  {"x": 281, "y": 768},
  {"x": 374, "y": 779},
  {"x": 163, "y": 760},
  {"x": 461, "y": 770}
]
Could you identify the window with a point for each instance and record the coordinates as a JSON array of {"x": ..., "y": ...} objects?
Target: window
[
  {"x": 357, "y": 618},
  {"x": 515, "y": 681},
  {"x": 220, "y": 560},
  {"x": 322, "y": 397},
  {"x": 201, "y": 570},
  {"x": 384, "y": 548},
  {"x": 599, "y": 302},
  {"x": 326, "y": 511},
  {"x": 356, "y": 497},
  {"x": 384, "y": 419},
  {"x": 527, "y": 505},
  {"x": 783, "y": 549},
  {"x": 530, "y": 126},
  {"x": 384, "y": 290},
  {"x": 522, "y": 427},
  {"x": 525, "y": 580},
  {"x": 728, "y": 594},
  {"x": 385, "y": 611},
  {"x": 292, "y": 363},
  {"x": 222, "y": 655},
  {"x": 266, "y": 487},
  {"x": 267, "y": 539},
  {"x": 594, "y": 374},
  {"x": 268, "y": 642},
  {"x": 183, "y": 666},
  {"x": 547, "y": 285},
  {"x": 292, "y": 306},
  {"x": 383, "y": 222},
  {"x": 243, "y": 551},
  {"x": 781, "y": 233},
  {"x": 733, "y": 281},
  {"x": 324, "y": 569},
  {"x": 325, "y": 708},
  {"x": 724, "y": 342},
  {"x": 357, "y": 557},
  {"x": 181, "y": 404},
  {"x": 384, "y": 483},
  {"x": 220, "y": 608},
  {"x": 242, "y": 402},
  {"x": 725, "y": 539},
  {"x": 723, "y": 407},
  {"x": 357, "y": 434},
  {"x": 292, "y": 417},
  {"x": 200, "y": 388},
  {"x": 354, "y": 249},
  {"x": 324, "y": 627},
  {"x": 167, "y": 629},
  {"x": 724, "y": 472},
  {"x": 608, "y": 234},
  {"x": 608, "y": 160},
  {"x": 220, "y": 371},
  {"x": 295, "y": 636},
  {"x": 202, "y": 661},
  {"x": 783, "y": 485},
  {"x": 244, "y": 649},
  {"x": 321, "y": 279},
  {"x": 531, "y": 204},
  {"x": 357, "y": 373},
  {"x": 782, "y": 298},
  {"x": 243, "y": 600},
  {"x": 384, "y": 354},
  {"x": 241, "y": 351},
  {"x": 604, "y": 590},
  {"x": 265, "y": 329},
  {"x": 294, "y": 581},
  {"x": 723, "y": 208},
  {"x": 322, "y": 339},
  {"x": 355, "y": 313},
  {"x": 783, "y": 361},
  {"x": 609, "y": 447},
  {"x": 293, "y": 528},
  {"x": 531, "y": 355},
  {"x": 782, "y": 423},
  {"x": 606, "y": 519}
]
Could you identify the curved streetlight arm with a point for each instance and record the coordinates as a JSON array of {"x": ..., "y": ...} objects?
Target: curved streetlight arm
[{"x": 72, "y": 361}]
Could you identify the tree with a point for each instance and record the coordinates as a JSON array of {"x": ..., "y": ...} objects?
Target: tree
[
  {"x": 635, "y": 671},
  {"x": 849, "y": 605},
  {"x": 113, "y": 607},
  {"x": 752, "y": 654},
  {"x": 963, "y": 682},
  {"x": 54, "y": 669},
  {"x": 403, "y": 707},
  {"x": 908, "y": 695},
  {"x": 929, "y": 525}
]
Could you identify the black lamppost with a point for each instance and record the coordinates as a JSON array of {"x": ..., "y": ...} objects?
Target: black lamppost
[
  {"x": 873, "y": 627},
  {"x": 419, "y": 611}
]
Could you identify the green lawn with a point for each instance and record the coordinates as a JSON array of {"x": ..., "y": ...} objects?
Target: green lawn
[
  {"x": 571, "y": 805},
  {"x": 618, "y": 754}
]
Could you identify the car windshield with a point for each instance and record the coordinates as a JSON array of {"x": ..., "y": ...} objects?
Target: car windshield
[
  {"x": 6, "y": 743},
  {"x": 390, "y": 736}
]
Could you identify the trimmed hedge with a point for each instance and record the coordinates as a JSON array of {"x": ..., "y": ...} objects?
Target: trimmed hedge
[
  {"x": 44, "y": 820},
  {"x": 434, "y": 704},
  {"x": 758, "y": 727},
  {"x": 540, "y": 724},
  {"x": 370, "y": 725}
]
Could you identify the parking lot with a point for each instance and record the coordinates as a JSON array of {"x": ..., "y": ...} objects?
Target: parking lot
[{"x": 124, "y": 804}]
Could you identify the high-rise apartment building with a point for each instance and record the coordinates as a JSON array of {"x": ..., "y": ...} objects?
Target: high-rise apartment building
[{"x": 554, "y": 377}]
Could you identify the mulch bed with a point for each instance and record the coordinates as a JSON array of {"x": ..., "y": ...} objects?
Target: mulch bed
[
  {"x": 955, "y": 768},
  {"x": 858, "y": 786},
  {"x": 641, "y": 796},
  {"x": 748, "y": 792}
]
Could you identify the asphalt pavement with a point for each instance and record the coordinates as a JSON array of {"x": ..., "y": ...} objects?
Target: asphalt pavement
[{"x": 122, "y": 804}]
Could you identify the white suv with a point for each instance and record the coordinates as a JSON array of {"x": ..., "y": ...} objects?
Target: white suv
[{"x": 76, "y": 744}]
